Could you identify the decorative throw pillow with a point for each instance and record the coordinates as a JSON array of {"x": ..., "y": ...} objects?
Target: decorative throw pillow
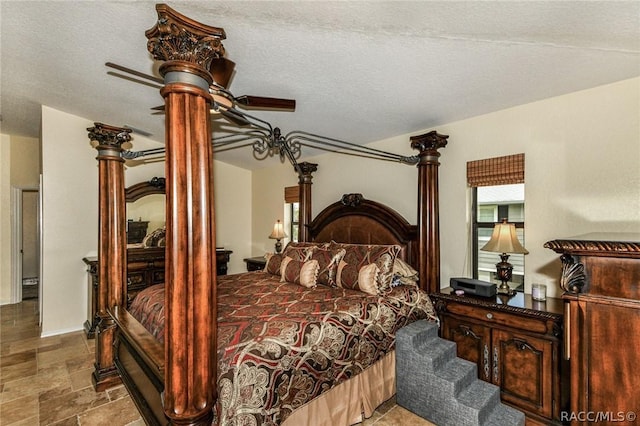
[
  {"x": 403, "y": 274},
  {"x": 360, "y": 255},
  {"x": 327, "y": 264},
  {"x": 157, "y": 238},
  {"x": 272, "y": 266},
  {"x": 367, "y": 278},
  {"x": 297, "y": 272},
  {"x": 298, "y": 251}
]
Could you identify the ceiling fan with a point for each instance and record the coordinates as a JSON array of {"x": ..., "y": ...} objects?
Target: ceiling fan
[{"x": 224, "y": 101}]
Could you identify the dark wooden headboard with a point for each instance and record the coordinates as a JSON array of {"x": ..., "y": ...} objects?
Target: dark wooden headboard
[{"x": 356, "y": 220}]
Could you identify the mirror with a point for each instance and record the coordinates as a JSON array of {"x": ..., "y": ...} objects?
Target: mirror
[{"x": 145, "y": 209}]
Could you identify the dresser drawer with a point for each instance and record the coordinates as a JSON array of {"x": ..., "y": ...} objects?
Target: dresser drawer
[
  {"x": 136, "y": 280},
  {"x": 489, "y": 316},
  {"x": 157, "y": 277}
]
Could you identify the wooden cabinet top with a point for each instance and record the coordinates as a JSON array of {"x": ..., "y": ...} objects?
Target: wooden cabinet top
[
  {"x": 602, "y": 264},
  {"x": 520, "y": 303},
  {"x": 610, "y": 244}
]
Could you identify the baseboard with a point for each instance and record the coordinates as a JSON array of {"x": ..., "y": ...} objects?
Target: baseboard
[{"x": 63, "y": 331}]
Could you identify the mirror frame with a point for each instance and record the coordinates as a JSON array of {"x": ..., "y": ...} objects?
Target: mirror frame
[{"x": 154, "y": 186}]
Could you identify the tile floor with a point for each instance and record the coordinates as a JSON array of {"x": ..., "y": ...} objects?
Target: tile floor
[{"x": 47, "y": 381}]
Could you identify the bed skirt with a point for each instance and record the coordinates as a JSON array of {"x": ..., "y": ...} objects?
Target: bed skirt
[{"x": 352, "y": 401}]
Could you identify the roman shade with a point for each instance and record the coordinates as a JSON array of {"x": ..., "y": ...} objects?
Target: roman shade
[
  {"x": 291, "y": 194},
  {"x": 496, "y": 171}
]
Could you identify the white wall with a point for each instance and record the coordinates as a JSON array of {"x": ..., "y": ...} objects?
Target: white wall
[
  {"x": 232, "y": 192},
  {"x": 69, "y": 222},
  {"x": 582, "y": 171},
  {"x": 268, "y": 203},
  {"x": 5, "y": 219},
  {"x": 19, "y": 168},
  {"x": 70, "y": 218},
  {"x": 582, "y": 174}
]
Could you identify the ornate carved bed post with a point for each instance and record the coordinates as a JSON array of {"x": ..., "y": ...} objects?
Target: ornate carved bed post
[
  {"x": 190, "y": 272},
  {"x": 304, "y": 181},
  {"x": 112, "y": 242},
  {"x": 428, "y": 208}
]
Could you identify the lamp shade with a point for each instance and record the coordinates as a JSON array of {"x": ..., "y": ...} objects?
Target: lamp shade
[
  {"x": 504, "y": 240},
  {"x": 278, "y": 231}
]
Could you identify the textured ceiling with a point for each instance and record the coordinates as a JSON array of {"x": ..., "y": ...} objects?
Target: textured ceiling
[{"x": 359, "y": 71}]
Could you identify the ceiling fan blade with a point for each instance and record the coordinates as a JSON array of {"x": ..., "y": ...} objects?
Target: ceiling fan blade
[
  {"x": 221, "y": 69},
  {"x": 134, "y": 72},
  {"x": 158, "y": 110},
  {"x": 234, "y": 116},
  {"x": 265, "y": 102},
  {"x": 135, "y": 80}
]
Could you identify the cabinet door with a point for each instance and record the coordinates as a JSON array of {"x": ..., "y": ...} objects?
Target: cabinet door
[
  {"x": 609, "y": 358},
  {"x": 522, "y": 367},
  {"x": 473, "y": 341}
]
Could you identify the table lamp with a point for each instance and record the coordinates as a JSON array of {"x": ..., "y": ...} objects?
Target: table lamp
[
  {"x": 278, "y": 234},
  {"x": 504, "y": 240}
]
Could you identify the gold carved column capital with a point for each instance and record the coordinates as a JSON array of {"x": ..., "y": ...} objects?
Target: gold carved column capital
[{"x": 178, "y": 38}]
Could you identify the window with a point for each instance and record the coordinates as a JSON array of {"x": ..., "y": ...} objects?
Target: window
[
  {"x": 295, "y": 220},
  {"x": 498, "y": 192},
  {"x": 491, "y": 205},
  {"x": 292, "y": 211}
]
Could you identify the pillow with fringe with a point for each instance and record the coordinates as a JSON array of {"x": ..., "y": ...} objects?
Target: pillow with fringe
[
  {"x": 358, "y": 256},
  {"x": 298, "y": 272}
]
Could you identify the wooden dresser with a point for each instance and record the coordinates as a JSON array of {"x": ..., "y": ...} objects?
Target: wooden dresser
[
  {"x": 601, "y": 284},
  {"x": 516, "y": 344},
  {"x": 145, "y": 267}
]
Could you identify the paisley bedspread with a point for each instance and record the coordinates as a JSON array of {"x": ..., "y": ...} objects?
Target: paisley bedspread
[{"x": 281, "y": 345}]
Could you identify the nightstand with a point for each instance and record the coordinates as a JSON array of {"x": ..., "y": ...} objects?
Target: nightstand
[
  {"x": 516, "y": 343},
  {"x": 255, "y": 263}
]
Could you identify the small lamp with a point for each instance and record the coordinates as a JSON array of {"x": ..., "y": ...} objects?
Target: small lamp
[
  {"x": 278, "y": 234},
  {"x": 504, "y": 240}
]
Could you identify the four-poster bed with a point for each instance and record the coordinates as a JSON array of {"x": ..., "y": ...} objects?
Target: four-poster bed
[{"x": 175, "y": 381}]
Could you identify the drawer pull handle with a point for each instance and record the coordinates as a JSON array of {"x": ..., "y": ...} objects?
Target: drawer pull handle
[{"x": 490, "y": 315}]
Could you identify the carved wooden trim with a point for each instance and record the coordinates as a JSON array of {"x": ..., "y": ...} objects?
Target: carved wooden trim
[
  {"x": 352, "y": 200},
  {"x": 595, "y": 247},
  {"x": 178, "y": 38},
  {"x": 573, "y": 276},
  {"x": 428, "y": 145}
]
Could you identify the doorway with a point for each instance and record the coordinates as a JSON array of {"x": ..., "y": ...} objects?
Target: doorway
[
  {"x": 26, "y": 244},
  {"x": 30, "y": 247}
]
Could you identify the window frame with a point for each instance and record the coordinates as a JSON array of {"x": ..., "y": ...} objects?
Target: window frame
[
  {"x": 295, "y": 221},
  {"x": 475, "y": 226}
]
